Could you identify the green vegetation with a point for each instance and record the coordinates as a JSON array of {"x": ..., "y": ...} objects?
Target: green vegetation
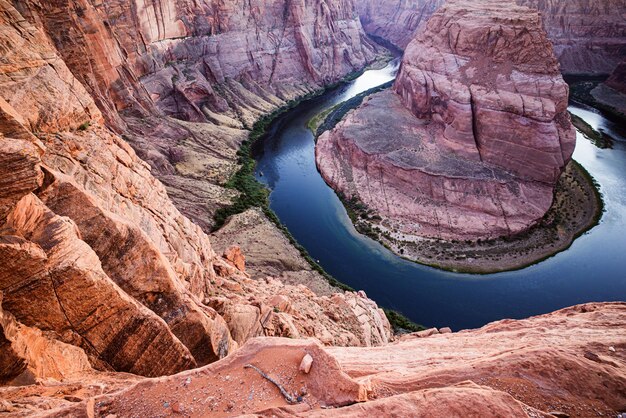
[
  {"x": 84, "y": 126},
  {"x": 360, "y": 216},
  {"x": 337, "y": 113},
  {"x": 599, "y": 139},
  {"x": 254, "y": 194},
  {"x": 318, "y": 119},
  {"x": 400, "y": 323}
]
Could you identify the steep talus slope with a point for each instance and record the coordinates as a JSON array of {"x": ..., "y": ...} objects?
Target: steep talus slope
[
  {"x": 589, "y": 36},
  {"x": 572, "y": 361},
  {"x": 95, "y": 254},
  {"x": 481, "y": 132}
]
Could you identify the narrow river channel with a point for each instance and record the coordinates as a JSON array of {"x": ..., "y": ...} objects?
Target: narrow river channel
[{"x": 593, "y": 269}]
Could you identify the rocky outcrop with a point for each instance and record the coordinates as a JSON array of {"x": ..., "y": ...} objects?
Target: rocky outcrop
[
  {"x": 617, "y": 80},
  {"x": 95, "y": 255},
  {"x": 481, "y": 130},
  {"x": 569, "y": 362},
  {"x": 610, "y": 96},
  {"x": 589, "y": 36}
]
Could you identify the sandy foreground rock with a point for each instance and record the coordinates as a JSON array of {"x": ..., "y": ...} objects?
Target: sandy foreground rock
[
  {"x": 481, "y": 130},
  {"x": 571, "y": 361}
]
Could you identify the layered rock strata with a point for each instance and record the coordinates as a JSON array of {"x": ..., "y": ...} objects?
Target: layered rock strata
[
  {"x": 95, "y": 255},
  {"x": 481, "y": 130},
  {"x": 567, "y": 363},
  {"x": 589, "y": 36},
  {"x": 183, "y": 81},
  {"x": 396, "y": 21}
]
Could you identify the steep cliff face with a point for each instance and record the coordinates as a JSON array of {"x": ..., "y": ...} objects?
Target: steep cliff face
[
  {"x": 567, "y": 363},
  {"x": 617, "y": 80},
  {"x": 396, "y": 21},
  {"x": 481, "y": 130},
  {"x": 589, "y": 36},
  {"x": 95, "y": 255},
  {"x": 182, "y": 79}
]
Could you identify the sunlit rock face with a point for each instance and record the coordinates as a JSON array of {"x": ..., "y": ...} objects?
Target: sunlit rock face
[{"x": 480, "y": 130}]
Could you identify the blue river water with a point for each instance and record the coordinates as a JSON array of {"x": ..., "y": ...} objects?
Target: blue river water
[{"x": 592, "y": 269}]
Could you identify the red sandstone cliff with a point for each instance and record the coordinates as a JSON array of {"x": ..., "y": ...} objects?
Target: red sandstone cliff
[
  {"x": 481, "y": 131},
  {"x": 156, "y": 69},
  {"x": 94, "y": 254},
  {"x": 588, "y": 36}
]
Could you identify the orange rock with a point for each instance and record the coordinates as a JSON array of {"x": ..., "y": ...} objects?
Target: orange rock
[{"x": 234, "y": 255}]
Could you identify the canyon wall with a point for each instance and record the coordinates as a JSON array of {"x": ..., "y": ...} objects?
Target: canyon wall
[
  {"x": 184, "y": 80},
  {"x": 396, "y": 21},
  {"x": 481, "y": 130},
  {"x": 617, "y": 80},
  {"x": 95, "y": 256},
  {"x": 589, "y": 36}
]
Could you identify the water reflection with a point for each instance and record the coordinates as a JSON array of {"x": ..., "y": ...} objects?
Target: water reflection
[{"x": 593, "y": 269}]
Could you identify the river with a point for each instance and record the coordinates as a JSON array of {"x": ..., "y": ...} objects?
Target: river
[{"x": 592, "y": 269}]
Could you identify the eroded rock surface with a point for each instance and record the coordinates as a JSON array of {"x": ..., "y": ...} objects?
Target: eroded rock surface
[
  {"x": 481, "y": 131},
  {"x": 589, "y": 36},
  {"x": 571, "y": 361},
  {"x": 184, "y": 80},
  {"x": 95, "y": 256}
]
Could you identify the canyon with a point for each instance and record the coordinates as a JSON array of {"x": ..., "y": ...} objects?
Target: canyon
[
  {"x": 481, "y": 131},
  {"x": 95, "y": 254},
  {"x": 121, "y": 123},
  {"x": 588, "y": 36}
]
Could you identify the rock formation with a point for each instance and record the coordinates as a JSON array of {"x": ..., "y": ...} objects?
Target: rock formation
[
  {"x": 481, "y": 131},
  {"x": 396, "y": 21},
  {"x": 589, "y": 36},
  {"x": 95, "y": 257},
  {"x": 610, "y": 96},
  {"x": 184, "y": 80},
  {"x": 617, "y": 80},
  {"x": 568, "y": 363}
]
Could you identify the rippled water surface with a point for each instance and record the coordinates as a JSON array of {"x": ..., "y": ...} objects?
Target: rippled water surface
[{"x": 593, "y": 269}]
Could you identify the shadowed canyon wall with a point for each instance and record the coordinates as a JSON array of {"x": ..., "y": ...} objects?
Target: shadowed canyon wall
[{"x": 589, "y": 36}]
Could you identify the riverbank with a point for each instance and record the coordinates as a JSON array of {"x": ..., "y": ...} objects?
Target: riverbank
[
  {"x": 593, "y": 92},
  {"x": 254, "y": 195},
  {"x": 576, "y": 209}
]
